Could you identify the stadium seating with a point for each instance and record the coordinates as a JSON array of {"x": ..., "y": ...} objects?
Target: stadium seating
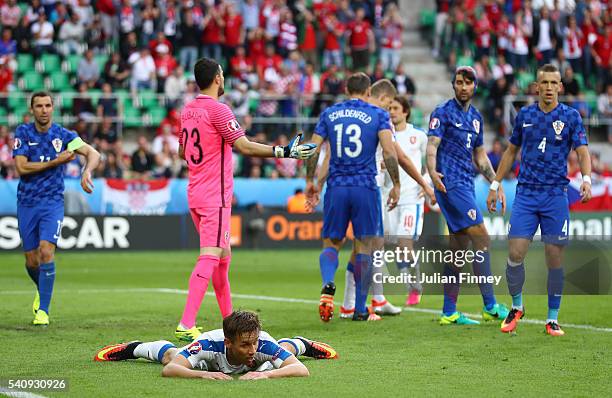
[
  {"x": 25, "y": 63},
  {"x": 59, "y": 81},
  {"x": 71, "y": 63},
  {"x": 49, "y": 63},
  {"x": 32, "y": 81}
]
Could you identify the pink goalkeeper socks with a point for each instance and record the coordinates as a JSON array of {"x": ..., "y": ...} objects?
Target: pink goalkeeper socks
[
  {"x": 220, "y": 280},
  {"x": 198, "y": 283}
]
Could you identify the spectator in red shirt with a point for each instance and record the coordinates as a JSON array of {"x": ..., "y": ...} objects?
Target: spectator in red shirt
[
  {"x": 601, "y": 54},
  {"x": 6, "y": 80},
  {"x": 240, "y": 65},
  {"x": 165, "y": 64},
  {"x": 173, "y": 120},
  {"x": 211, "y": 36},
  {"x": 307, "y": 37},
  {"x": 361, "y": 41},
  {"x": 482, "y": 30},
  {"x": 268, "y": 65},
  {"x": 160, "y": 40},
  {"x": 589, "y": 36},
  {"x": 257, "y": 43},
  {"x": 233, "y": 31},
  {"x": 333, "y": 31}
]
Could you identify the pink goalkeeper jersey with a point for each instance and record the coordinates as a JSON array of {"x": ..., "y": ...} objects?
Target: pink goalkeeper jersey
[{"x": 208, "y": 131}]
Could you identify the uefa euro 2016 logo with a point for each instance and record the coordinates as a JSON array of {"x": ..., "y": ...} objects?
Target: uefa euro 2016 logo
[{"x": 194, "y": 348}]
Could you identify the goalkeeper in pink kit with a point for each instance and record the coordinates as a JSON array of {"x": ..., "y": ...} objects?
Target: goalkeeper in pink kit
[{"x": 209, "y": 131}]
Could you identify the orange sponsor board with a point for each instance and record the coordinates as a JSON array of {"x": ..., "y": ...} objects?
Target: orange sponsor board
[
  {"x": 280, "y": 227},
  {"x": 236, "y": 230}
]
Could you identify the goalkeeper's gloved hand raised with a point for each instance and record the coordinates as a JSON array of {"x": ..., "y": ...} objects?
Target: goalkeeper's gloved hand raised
[{"x": 295, "y": 150}]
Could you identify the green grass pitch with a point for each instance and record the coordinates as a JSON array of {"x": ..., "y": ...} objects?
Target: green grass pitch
[{"x": 103, "y": 298}]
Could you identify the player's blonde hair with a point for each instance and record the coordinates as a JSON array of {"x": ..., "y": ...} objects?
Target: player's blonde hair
[{"x": 383, "y": 87}]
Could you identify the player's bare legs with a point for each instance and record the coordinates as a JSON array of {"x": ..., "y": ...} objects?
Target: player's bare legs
[
  {"x": 46, "y": 280},
  {"x": 515, "y": 276},
  {"x": 328, "y": 263}
]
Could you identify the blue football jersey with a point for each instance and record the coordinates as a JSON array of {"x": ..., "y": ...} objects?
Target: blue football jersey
[
  {"x": 352, "y": 129},
  {"x": 461, "y": 132},
  {"x": 546, "y": 140},
  {"x": 47, "y": 186}
]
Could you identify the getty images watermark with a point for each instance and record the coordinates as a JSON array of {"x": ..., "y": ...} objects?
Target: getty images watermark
[
  {"x": 587, "y": 265},
  {"x": 459, "y": 258}
]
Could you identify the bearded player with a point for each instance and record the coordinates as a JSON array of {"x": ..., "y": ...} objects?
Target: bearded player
[
  {"x": 545, "y": 132},
  {"x": 455, "y": 141},
  {"x": 209, "y": 131}
]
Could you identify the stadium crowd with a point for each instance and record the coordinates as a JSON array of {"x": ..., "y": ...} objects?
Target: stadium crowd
[
  {"x": 273, "y": 51},
  {"x": 281, "y": 58},
  {"x": 506, "y": 40}
]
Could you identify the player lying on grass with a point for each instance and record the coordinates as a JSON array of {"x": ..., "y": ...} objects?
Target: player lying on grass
[{"x": 241, "y": 347}]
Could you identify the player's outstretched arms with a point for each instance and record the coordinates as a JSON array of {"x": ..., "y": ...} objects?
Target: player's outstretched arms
[
  {"x": 496, "y": 191},
  {"x": 584, "y": 159},
  {"x": 291, "y": 367},
  {"x": 24, "y": 167},
  {"x": 409, "y": 167},
  {"x": 92, "y": 159},
  {"x": 390, "y": 157},
  {"x": 294, "y": 150},
  {"x": 180, "y": 367},
  {"x": 431, "y": 154}
]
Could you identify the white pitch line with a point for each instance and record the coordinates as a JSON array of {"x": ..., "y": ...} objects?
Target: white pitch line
[
  {"x": 282, "y": 300},
  {"x": 19, "y": 394}
]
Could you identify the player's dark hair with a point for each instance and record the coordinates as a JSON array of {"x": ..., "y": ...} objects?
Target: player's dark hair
[
  {"x": 403, "y": 101},
  {"x": 40, "y": 94},
  {"x": 205, "y": 71},
  {"x": 358, "y": 83},
  {"x": 548, "y": 68},
  {"x": 240, "y": 322},
  {"x": 467, "y": 72},
  {"x": 383, "y": 87}
]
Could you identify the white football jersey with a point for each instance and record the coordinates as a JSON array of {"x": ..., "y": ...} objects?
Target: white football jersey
[
  {"x": 207, "y": 353},
  {"x": 380, "y": 173},
  {"x": 413, "y": 142}
]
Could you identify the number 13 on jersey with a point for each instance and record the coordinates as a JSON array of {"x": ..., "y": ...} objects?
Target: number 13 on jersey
[{"x": 353, "y": 133}]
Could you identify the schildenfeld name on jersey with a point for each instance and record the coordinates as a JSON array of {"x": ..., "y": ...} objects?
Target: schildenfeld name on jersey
[{"x": 353, "y": 113}]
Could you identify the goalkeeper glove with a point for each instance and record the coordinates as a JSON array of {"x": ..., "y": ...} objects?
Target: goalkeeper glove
[{"x": 294, "y": 150}]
